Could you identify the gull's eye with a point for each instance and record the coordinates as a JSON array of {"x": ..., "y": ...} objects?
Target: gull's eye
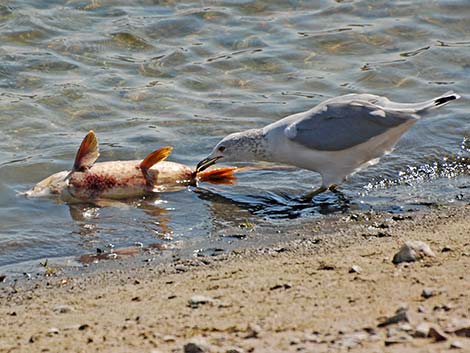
[{"x": 221, "y": 148}]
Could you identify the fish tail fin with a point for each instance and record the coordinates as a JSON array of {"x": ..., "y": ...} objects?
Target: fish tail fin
[{"x": 223, "y": 175}]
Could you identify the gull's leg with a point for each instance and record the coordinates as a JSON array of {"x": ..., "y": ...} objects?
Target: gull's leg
[
  {"x": 309, "y": 196},
  {"x": 333, "y": 188}
]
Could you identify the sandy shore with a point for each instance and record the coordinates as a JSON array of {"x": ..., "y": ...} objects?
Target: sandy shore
[{"x": 317, "y": 293}]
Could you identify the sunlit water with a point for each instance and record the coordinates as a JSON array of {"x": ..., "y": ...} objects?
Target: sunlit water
[{"x": 186, "y": 73}]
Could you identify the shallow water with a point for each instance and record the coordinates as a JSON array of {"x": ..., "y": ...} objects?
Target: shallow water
[{"x": 186, "y": 73}]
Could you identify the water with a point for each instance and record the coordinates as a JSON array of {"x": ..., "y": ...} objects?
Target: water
[{"x": 144, "y": 74}]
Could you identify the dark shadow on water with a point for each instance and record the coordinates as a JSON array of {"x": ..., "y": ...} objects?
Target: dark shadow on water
[{"x": 281, "y": 205}]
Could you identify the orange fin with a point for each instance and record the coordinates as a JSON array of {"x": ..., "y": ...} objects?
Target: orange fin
[
  {"x": 218, "y": 175},
  {"x": 153, "y": 158},
  {"x": 88, "y": 152}
]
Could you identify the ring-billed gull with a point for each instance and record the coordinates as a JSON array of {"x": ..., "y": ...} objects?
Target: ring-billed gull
[{"x": 336, "y": 138}]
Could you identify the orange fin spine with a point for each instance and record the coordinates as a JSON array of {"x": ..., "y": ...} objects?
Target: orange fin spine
[
  {"x": 88, "y": 152},
  {"x": 152, "y": 159},
  {"x": 223, "y": 175}
]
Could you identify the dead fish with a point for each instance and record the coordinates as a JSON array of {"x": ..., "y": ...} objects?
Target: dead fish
[{"x": 117, "y": 180}]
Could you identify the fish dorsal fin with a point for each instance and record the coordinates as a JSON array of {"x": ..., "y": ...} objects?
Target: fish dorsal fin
[
  {"x": 153, "y": 158},
  {"x": 88, "y": 152}
]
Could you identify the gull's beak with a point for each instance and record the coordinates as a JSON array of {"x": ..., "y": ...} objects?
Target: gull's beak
[{"x": 206, "y": 163}]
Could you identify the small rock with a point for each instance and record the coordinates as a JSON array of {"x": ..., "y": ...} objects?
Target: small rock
[
  {"x": 326, "y": 267},
  {"x": 428, "y": 293},
  {"x": 53, "y": 331},
  {"x": 2, "y": 278},
  {"x": 355, "y": 269},
  {"x": 198, "y": 300},
  {"x": 281, "y": 286},
  {"x": 181, "y": 268},
  {"x": 83, "y": 327},
  {"x": 405, "y": 327},
  {"x": 396, "y": 340},
  {"x": 446, "y": 249},
  {"x": 456, "y": 345},
  {"x": 400, "y": 316},
  {"x": 413, "y": 251},
  {"x": 421, "y": 309},
  {"x": 169, "y": 338},
  {"x": 235, "y": 350},
  {"x": 63, "y": 309},
  {"x": 422, "y": 330},
  {"x": 193, "y": 348},
  {"x": 436, "y": 333},
  {"x": 197, "y": 345},
  {"x": 253, "y": 331},
  {"x": 463, "y": 332}
]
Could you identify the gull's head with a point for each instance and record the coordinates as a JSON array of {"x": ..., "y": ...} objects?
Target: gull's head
[{"x": 239, "y": 146}]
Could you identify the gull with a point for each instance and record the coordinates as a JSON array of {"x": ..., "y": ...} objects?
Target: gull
[{"x": 336, "y": 138}]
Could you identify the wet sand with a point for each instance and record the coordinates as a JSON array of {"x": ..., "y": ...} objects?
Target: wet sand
[{"x": 320, "y": 292}]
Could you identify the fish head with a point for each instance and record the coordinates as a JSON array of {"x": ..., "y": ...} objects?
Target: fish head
[{"x": 55, "y": 184}]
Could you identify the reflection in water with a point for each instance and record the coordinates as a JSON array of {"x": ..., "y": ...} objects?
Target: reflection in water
[{"x": 276, "y": 205}]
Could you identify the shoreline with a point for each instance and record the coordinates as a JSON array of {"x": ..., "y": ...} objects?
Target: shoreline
[{"x": 326, "y": 288}]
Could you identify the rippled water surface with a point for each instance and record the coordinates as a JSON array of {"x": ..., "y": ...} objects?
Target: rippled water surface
[{"x": 144, "y": 74}]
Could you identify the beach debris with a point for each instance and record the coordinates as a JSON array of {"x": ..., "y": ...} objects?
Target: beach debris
[
  {"x": 400, "y": 316},
  {"x": 411, "y": 251}
]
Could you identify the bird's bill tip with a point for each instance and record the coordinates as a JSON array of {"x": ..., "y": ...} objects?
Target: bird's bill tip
[{"x": 206, "y": 163}]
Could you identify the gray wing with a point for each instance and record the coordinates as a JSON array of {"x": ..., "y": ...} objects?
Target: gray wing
[{"x": 335, "y": 126}]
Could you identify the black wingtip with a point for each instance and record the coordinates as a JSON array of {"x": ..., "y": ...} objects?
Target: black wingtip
[{"x": 446, "y": 99}]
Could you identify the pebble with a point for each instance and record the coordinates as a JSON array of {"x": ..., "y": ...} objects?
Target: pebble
[
  {"x": 196, "y": 345},
  {"x": 253, "y": 331},
  {"x": 235, "y": 350},
  {"x": 437, "y": 334},
  {"x": 63, "y": 309},
  {"x": 400, "y": 316},
  {"x": 463, "y": 332},
  {"x": 413, "y": 250},
  {"x": 53, "y": 331},
  {"x": 428, "y": 293},
  {"x": 198, "y": 300},
  {"x": 355, "y": 269},
  {"x": 422, "y": 330},
  {"x": 169, "y": 338},
  {"x": 421, "y": 309},
  {"x": 456, "y": 345}
]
